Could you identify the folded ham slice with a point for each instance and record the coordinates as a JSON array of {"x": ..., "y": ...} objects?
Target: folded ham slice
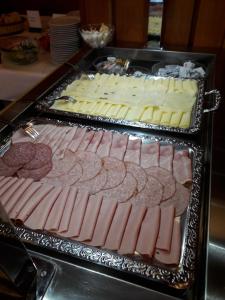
[
  {"x": 166, "y": 157},
  {"x": 38, "y": 217},
  {"x": 90, "y": 218},
  {"x": 118, "y": 226},
  {"x": 182, "y": 167},
  {"x": 150, "y": 155},
  {"x": 133, "y": 151},
  {"x": 58, "y": 140},
  {"x": 119, "y": 145},
  {"x": 171, "y": 257},
  {"x": 103, "y": 223},
  {"x": 9, "y": 193},
  {"x": 75, "y": 216},
  {"x": 149, "y": 232},
  {"x": 59, "y": 154},
  {"x": 78, "y": 137},
  {"x": 7, "y": 185},
  {"x": 93, "y": 146},
  {"x": 166, "y": 228},
  {"x": 86, "y": 140},
  {"x": 130, "y": 237},
  {"x": 105, "y": 144},
  {"x": 4, "y": 181},
  {"x": 48, "y": 134}
]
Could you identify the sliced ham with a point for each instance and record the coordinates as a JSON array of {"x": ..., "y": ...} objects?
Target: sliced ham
[
  {"x": 59, "y": 154},
  {"x": 76, "y": 215},
  {"x": 118, "y": 226},
  {"x": 4, "y": 181},
  {"x": 31, "y": 190},
  {"x": 166, "y": 228},
  {"x": 171, "y": 257},
  {"x": 130, "y": 237},
  {"x": 19, "y": 193},
  {"x": 180, "y": 199},
  {"x": 55, "y": 215},
  {"x": 39, "y": 215},
  {"x": 93, "y": 146},
  {"x": 119, "y": 146},
  {"x": 166, "y": 157},
  {"x": 105, "y": 144},
  {"x": 78, "y": 137},
  {"x": 47, "y": 134},
  {"x": 138, "y": 173},
  {"x": 90, "y": 218},
  {"x": 116, "y": 171},
  {"x": 165, "y": 178},
  {"x": 95, "y": 184},
  {"x": 149, "y": 232},
  {"x": 133, "y": 151},
  {"x": 86, "y": 140},
  {"x": 58, "y": 139},
  {"x": 7, "y": 185},
  {"x": 182, "y": 167},
  {"x": 103, "y": 223},
  {"x": 150, "y": 155},
  {"x": 33, "y": 202},
  {"x": 9, "y": 193}
]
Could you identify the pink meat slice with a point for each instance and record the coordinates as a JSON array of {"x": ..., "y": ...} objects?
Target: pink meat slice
[
  {"x": 118, "y": 226},
  {"x": 182, "y": 167},
  {"x": 9, "y": 193},
  {"x": 122, "y": 192},
  {"x": 166, "y": 228},
  {"x": 73, "y": 213},
  {"x": 104, "y": 221},
  {"x": 78, "y": 137},
  {"x": 116, "y": 171},
  {"x": 33, "y": 202},
  {"x": 90, "y": 163},
  {"x": 149, "y": 232},
  {"x": 95, "y": 184},
  {"x": 20, "y": 136},
  {"x": 6, "y": 170},
  {"x": 30, "y": 191},
  {"x": 93, "y": 146},
  {"x": 18, "y": 194},
  {"x": 47, "y": 134},
  {"x": 36, "y": 174},
  {"x": 86, "y": 140},
  {"x": 130, "y": 237},
  {"x": 39, "y": 215},
  {"x": 133, "y": 151},
  {"x": 165, "y": 178},
  {"x": 180, "y": 199},
  {"x": 138, "y": 173},
  {"x": 171, "y": 257},
  {"x": 151, "y": 195},
  {"x": 19, "y": 154},
  {"x": 119, "y": 146},
  {"x": 8, "y": 184},
  {"x": 105, "y": 144},
  {"x": 166, "y": 157},
  {"x": 58, "y": 140},
  {"x": 4, "y": 180},
  {"x": 42, "y": 156},
  {"x": 150, "y": 155},
  {"x": 55, "y": 215},
  {"x": 90, "y": 218},
  {"x": 59, "y": 154}
]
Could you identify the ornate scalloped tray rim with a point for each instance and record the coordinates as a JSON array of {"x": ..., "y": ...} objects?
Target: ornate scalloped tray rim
[
  {"x": 45, "y": 102},
  {"x": 180, "y": 277}
]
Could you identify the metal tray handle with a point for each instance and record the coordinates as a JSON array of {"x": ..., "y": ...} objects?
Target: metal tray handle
[{"x": 217, "y": 99}]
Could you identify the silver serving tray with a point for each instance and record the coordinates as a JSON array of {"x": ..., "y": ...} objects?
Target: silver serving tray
[
  {"x": 45, "y": 102},
  {"x": 178, "y": 277}
]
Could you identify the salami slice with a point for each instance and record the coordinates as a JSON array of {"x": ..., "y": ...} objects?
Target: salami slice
[
  {"x": 95, "y": 184},
  {"x": 6, "y": 170},
  {"x": 165, "y": 178},
  {"x": 138, "y": 173},
  {"x": 19, "y": 154},
  {"x": 116, "y": 171},
  {"x": 36, "y": 174},
  {"x": 42, "y": 156}
]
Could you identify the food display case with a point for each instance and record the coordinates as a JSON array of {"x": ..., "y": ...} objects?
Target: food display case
[{"x": 131, "y": 175}]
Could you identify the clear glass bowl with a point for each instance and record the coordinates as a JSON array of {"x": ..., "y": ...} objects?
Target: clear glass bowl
[{"x": 97, "y": 35}]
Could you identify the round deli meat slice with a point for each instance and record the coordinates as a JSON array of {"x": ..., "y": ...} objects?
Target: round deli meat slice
[
  {"x": 179, "y": 200},
  {"x": 42, "y": 156},
  {"x": 138, "y": 173},
  {"x": 95, "y": 184},
  {"x": 151, "y": 195},
  {"x": 122, "y": 192},
  {"x": 116, "y": 171},
  {"x": 6, "y": 170},
  {"x": 165, "y": 178},
  {"x": 19, "y": 154},
  {"x": 36, "y": 174}
]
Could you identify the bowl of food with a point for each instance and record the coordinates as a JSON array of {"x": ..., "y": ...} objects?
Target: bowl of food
[{"x": 97, "y": 35}]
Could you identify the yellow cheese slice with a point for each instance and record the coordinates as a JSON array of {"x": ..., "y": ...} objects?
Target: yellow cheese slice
[
  {"x": 122, "y": 112},
  {"x": 166, "y": 117},
  {"x": 147, "y": 114},
  {"x": 105, "y": 109},
  {"x": 99, "y": 107},
  {"x": 157, "y": 115},
  {"x": 185, "y": 120},
  {"x": 175, "y": 119},
  {"x": 91, "y": 107},
  {"x": 134, "y": 114}
]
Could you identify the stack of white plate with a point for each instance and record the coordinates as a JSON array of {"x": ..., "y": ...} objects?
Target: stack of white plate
[{"x": 64, "y": 38}]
